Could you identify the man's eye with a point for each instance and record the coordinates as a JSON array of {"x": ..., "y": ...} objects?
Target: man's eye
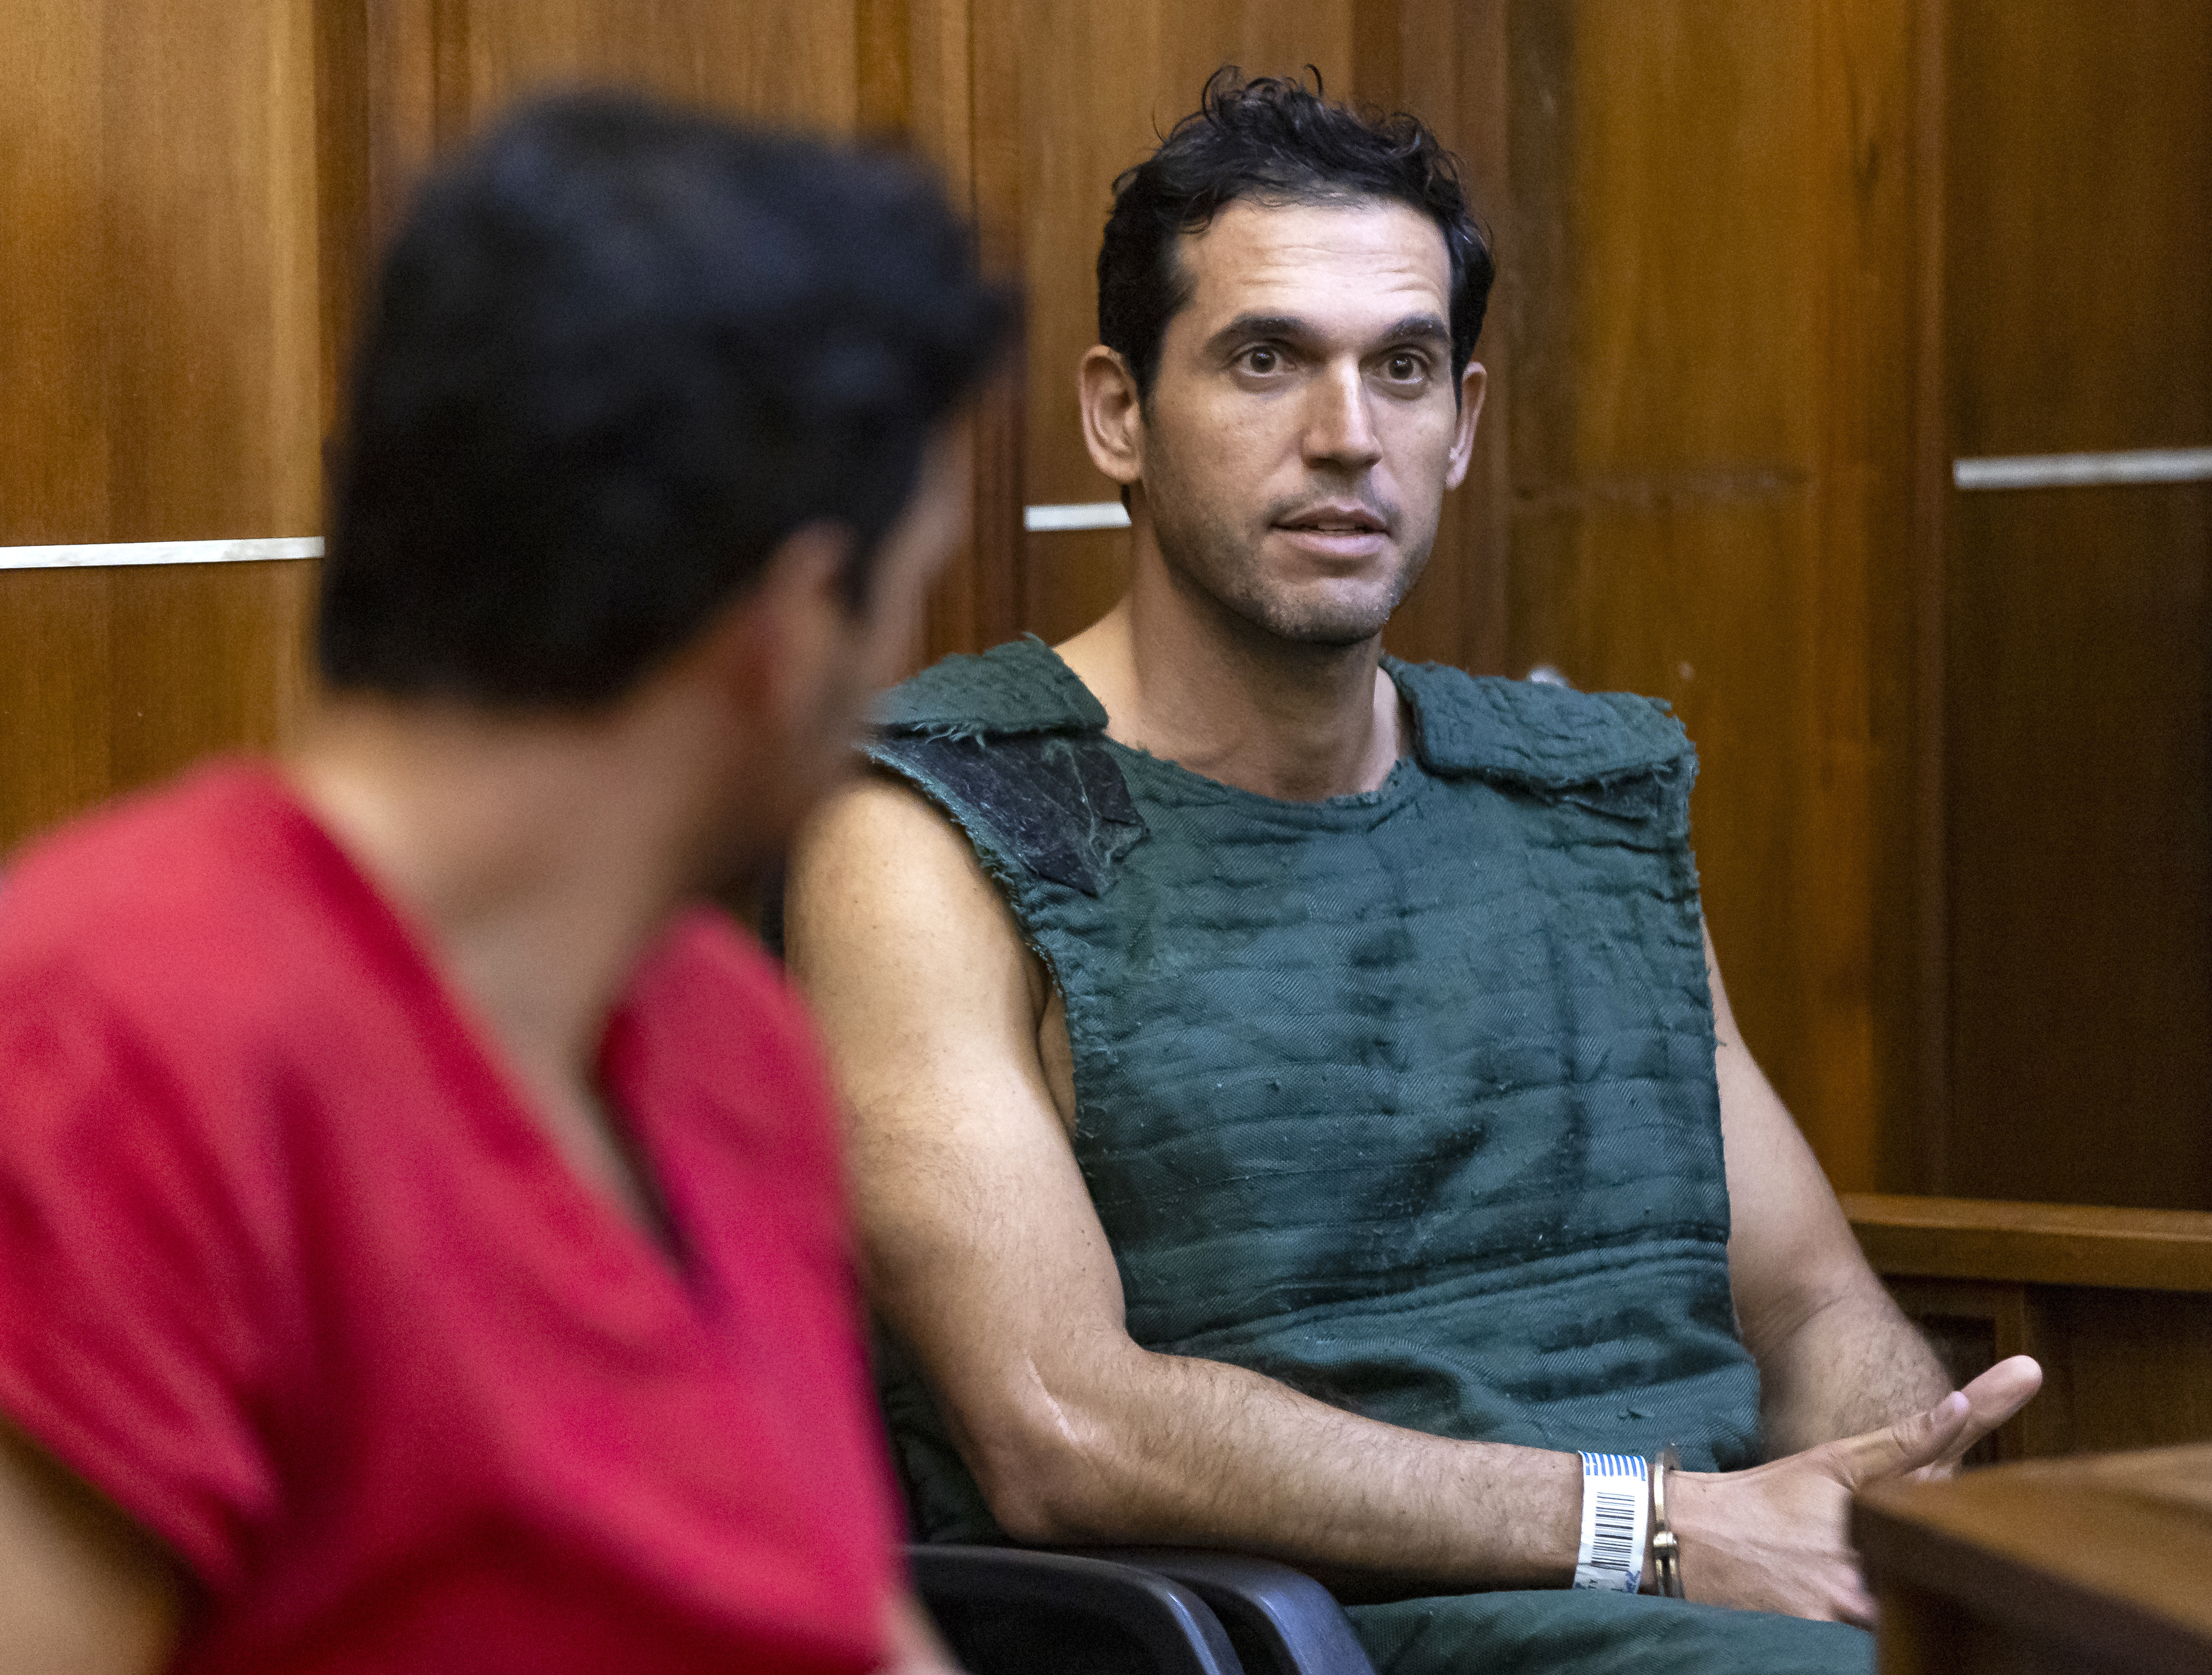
[
  {"x": 1262, "y": 359},
  {"x": 1404, "y": 368}
]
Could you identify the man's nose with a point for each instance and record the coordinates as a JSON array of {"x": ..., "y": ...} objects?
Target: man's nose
[{"x": 1340, "y": 421}]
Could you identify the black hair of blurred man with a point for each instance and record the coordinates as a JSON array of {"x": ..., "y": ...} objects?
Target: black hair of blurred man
[{"x": 619, "y": 353}]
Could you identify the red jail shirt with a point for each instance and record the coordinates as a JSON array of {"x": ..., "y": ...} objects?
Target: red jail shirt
[{"x": 289, "y": 1271}]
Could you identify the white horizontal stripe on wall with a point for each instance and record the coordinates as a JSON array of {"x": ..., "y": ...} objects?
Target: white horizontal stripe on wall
[
  {"x": 2074, "y": 470},
  {"x": 1086, "y": 515},
  {"x": 95, "y": 554}
]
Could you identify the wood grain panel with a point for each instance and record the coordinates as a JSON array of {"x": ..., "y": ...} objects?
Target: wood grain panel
[
  {"x": 1711, "y": 210},
  {"x": 2038, "y": 1244},
  {"x": 54, "y": 709},
  {"x": 435, "y": 70},
  {"x": 790, "y": 61},
  {"x": 2084, "y": 1566},
  {"x": 160, "y": 377},
  {"x": 2079, "y": 695},
  {"x": 1072, "y": 578}
]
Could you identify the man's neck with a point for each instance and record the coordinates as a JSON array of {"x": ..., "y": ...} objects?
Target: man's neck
[
  {"x": 1193, "y": 685},
  {"x": 539, "y": 858}
]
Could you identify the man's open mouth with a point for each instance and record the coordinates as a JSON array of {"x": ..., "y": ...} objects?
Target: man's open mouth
[{"x": 1334, "y": 520}]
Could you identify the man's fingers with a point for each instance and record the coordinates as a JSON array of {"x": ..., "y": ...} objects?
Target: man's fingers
[
  {"x": 1909, "y": 1444},
  {"x": 2000, "y": 1392},
  {"x": 1992, "y": 1398}
]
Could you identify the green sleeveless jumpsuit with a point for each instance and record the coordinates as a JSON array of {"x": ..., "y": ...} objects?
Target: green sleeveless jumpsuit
[{"x": 1405, "y": 1099}]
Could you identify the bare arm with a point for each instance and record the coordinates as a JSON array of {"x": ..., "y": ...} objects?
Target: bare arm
[
  {"x": 82, "y": 1588},
  {"x": 985, "y": 1257},
  {"x": 1850, "y": 1393},
  {"x": 1835, "y": 1355}
]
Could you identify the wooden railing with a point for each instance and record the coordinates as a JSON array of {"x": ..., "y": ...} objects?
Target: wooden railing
[{"x": 2117, "y": 1304}]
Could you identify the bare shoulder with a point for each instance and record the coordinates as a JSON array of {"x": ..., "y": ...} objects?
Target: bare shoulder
[
  {"x": 879, "y": 824},
  {"x": 907, "y": 952},
  {"x": 879, "y": 861}
]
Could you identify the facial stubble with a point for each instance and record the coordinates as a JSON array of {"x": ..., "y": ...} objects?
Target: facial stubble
[{"x": 1212, "y": 554}]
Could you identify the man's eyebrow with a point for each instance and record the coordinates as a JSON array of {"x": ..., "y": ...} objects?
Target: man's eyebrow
[
  {"x": 1419, "y": 328},
  {"x": 1290, "y": 328},
  {"x": 1287, "y": 328}
]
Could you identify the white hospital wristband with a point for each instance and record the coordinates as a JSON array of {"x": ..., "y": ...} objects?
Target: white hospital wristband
[{"x": 1615, "y": 1505}]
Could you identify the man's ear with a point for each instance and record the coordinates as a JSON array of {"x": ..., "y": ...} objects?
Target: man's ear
[
  {"x": 1473, "y": 383},
  {"x": 775, "y": 643},
  {"x": 1113, "y": 417}
]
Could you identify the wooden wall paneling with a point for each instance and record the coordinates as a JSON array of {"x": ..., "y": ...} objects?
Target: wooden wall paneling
[
  {"x": 54, "y": 710},
  {"x": 408, "y": 109},
  {"x": 1915, "y": 933},
  {"x": 2138, "y": 1371},
  {"x": 2123, "y": 1368},
  {"x": 345, "y": 207},
  {"x": 1854, "y": 862},
  {"x": 435, "y": 69},
  {"x": 1711, "y": 216},
  {"x": 2078, "y": 316},
  {"x": 921, "y": 64},
  {"x": 1095, "y": 88},
  {"x": 792, "y": 62},
  {"x": 160, "y": 373},
  {"x": 917, "y": 86},
  {"x": 997, "y": 555}
]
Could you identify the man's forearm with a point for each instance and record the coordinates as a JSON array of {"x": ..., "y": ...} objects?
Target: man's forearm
[
  {"x": 1854, "y": 1365},
  {"x": 1165, "y": 1449}
]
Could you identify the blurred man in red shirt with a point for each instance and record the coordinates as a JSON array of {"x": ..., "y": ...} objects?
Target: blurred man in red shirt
[{"x": 421, "y": 1239}]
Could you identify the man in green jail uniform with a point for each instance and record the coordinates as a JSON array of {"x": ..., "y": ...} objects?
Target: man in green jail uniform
[{"x": 1295, "y": 1108}]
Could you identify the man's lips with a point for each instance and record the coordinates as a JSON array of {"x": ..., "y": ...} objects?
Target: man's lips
[
  {"x": 1333, "y": 520},
  {"x": 1343, "y": 532}
]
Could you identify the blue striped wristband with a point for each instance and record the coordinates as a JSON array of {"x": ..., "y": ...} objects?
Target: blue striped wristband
[{"x": 1616, "y": 1510}]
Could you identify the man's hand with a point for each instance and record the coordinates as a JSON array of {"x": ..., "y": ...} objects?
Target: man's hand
[
  {"x": 915, "y": 1649},
  {"x": 1775, "y": 1538}
]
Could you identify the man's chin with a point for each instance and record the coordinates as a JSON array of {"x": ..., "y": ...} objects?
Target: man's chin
[
  {"x": 1335, "y": 624},
  {"x": 1332, "y": 636}
]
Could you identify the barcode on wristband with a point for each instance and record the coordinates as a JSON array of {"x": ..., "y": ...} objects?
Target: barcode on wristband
[{"x": 1614, "y": 1511}]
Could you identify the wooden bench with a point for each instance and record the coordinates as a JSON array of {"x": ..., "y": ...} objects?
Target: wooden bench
[
  {"x": 2117, "y": 1304},
  {"x": 2083, "y": 1566}
]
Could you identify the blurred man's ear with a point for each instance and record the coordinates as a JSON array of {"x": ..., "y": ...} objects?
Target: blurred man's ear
[
  {"x": 796, "y": 652},
  {"x": 1112, "y": 415},
  {"x": 771, "y": 647}
]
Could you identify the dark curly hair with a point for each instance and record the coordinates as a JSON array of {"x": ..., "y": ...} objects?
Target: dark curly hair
[{"x": 1274, "y": 140}]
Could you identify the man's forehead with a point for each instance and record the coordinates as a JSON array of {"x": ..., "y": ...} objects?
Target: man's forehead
[{"x": 1293, "y": 259}]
